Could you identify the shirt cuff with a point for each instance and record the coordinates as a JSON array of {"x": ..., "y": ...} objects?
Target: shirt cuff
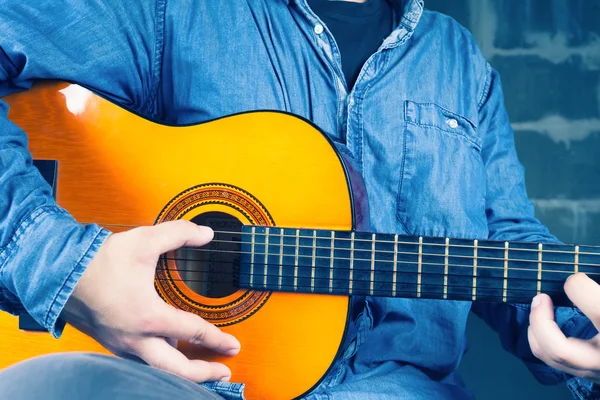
[{"x": 45, "y": 259}]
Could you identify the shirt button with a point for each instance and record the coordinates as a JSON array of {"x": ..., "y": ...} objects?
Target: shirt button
[
  {"x": 452, "y": 123},
  {"x": 318, "y": 29}
]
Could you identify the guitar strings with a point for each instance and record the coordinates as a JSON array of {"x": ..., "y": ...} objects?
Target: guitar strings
[
  {"x": 274, "y": 235},
  {"x": 388, "y": 292},
  {"x": 401, "y": 274},
  {"x": 327, "y": 248},
  {"x": 259, "y": 264},
  {"x": 357, "y": 240},
  {"x": 399, "y": 262},
  {"x": 395, "y": 274}
]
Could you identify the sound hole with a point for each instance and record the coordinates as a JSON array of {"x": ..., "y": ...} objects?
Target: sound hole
[{"x": 213, "y": 270}]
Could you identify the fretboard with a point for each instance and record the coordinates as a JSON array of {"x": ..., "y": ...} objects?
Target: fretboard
[{"x": 368, "y": 264}]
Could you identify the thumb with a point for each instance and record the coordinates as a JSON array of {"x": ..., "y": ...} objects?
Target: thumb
[
  {"x": 542, "y": 309},
  {"x": 172, "y": 235}
]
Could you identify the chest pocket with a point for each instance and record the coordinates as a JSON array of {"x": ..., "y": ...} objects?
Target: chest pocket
[{"x": 442, "y": 185}]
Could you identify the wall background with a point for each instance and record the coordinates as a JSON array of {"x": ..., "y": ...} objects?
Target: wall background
[{"x": 548, "y": 55}]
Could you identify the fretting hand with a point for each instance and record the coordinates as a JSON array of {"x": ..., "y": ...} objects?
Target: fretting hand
[
  {"x": 115, "y": 302},
  {"x": 571, "y": 355}
]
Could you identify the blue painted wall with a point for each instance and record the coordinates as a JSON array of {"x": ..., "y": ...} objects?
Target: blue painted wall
[{"x": 548, "y": 55}]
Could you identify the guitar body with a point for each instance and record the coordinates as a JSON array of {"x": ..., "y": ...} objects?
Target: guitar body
[{"x": 261, "y": 168}]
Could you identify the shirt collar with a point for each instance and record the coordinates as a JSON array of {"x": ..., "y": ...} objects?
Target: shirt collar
[{"x": 411, "y": 11}]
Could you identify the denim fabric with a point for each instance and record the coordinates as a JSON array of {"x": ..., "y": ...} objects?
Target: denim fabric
[
  {"x": 95, "y": 377},
  {"x": 425, "y": 122}
]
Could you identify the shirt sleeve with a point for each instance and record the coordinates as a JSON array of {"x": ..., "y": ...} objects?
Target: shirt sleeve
[
  {"x": 510, "y": 216},
  {"x": 110, "y": 47}
]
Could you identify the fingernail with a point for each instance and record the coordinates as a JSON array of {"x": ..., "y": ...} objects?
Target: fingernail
[
  {"x": 233, "y": 340},
  {"x": 536, "y": 301},
  {"x": 226, "y": 378},
  {"x": 232, "y": 352},
  {"x": 206, "y": 229}
]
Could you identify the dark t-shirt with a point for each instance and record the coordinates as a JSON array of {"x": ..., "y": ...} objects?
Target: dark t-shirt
[{"x": 358, "y": 29}]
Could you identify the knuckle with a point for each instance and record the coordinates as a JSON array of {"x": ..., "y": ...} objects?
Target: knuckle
[
  {"x": 141, "y": 233},
  {"x": 558, "y": 356},
  {"x": 182, "y": 223},
  {"x": 125, "y": 346},
  {"x": 592, "y": 375},
  {"x": 150, "y": 322},
  {"x": 199, "y": 336},
  {"x": 535, "y": 349}
]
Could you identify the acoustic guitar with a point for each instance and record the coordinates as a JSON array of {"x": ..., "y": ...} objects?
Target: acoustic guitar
[{"x": 292, "y": 240}]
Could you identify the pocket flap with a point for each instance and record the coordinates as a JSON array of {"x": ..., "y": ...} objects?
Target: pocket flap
[{"x": 435, "y": 116}]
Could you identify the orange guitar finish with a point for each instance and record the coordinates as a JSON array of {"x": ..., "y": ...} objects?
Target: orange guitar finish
[{"x": 116, "y": 168}]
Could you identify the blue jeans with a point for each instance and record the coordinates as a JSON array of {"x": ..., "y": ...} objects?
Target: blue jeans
[{"x": 94, "y": 377}]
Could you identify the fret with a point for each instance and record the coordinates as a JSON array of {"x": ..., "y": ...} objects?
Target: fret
[
  {"x": 323, "y": 262},
  {"x": 280, "y": 274},
  {"x": 522, "y": 271},
  {"x": 446, "y": 252},
  {"x": 576, "y": 261},
  {"x": 420, "y": 266},
  {"x": 273, "y": 248},
  {"x": 331, "y": 262},
  {"x": 589, "y": 261},
  {"x": 505, "y": 283},
  {"x": 351, "y": 278},
  {"x": 252, "y": 245},
  {"x": 363, "y": 264},
  {"x": 372, "y": 280},
  {"x": 557, "y": 266},
  {"x": 296, "y": 257},
  {"x": 490, "y": 270},
  {"x": 290, "y": 252},
  {"x": 433, "y": 267},
  {"x": 458, "y": 272},
  {"x": 342, "y": 262},
  {"x": 395, "y": 266},
  {"x": 306, "y": 259},
  {"x": 474, "y": 293},
  {"x": 259, "y": 257},
  {"x": 539, "y": 277},
  {"x": 266, "y": 258},
  {"x": 378, "y": 272},
  {"x": 314, "y": 258}
]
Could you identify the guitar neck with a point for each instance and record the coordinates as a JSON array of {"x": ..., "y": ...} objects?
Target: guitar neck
[{"x": 385, "y": 265}]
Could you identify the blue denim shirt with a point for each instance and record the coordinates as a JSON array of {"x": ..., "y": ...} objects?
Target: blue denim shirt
[{"x": 183, "y": 62}]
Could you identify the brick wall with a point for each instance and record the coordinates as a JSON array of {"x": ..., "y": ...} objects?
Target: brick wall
[{"x": 548, "y": 56}]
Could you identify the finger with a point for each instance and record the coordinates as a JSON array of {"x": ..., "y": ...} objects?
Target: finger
[
  {"x": 553, "y": 346},
  {"x": 541, "y": 354},
  {"x": 172, "y": 235},
  {"x": 158, "y": 353},
  {"x": 585, "y": 294},
  {"x": 191, "y": 328}
]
